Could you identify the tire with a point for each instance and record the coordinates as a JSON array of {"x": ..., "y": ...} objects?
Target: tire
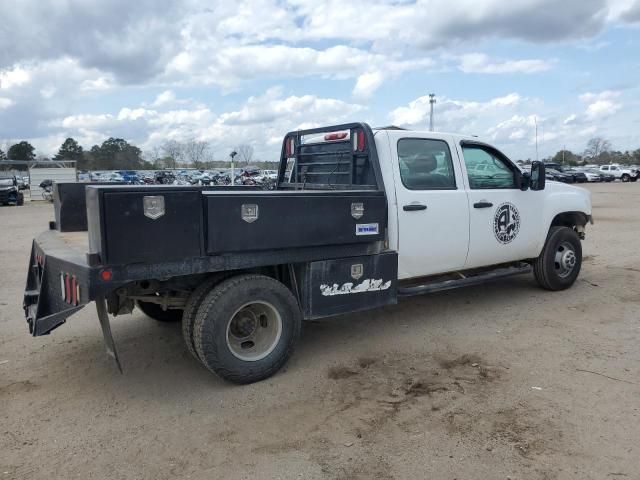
[
  {"x": 263, "y": 348},
  {"x": 625, "y": 177},
  {"x": 634, "y": 179},
  {"x": 20, "y": 199},
  {"x": 156, "y": 312},
  {"x": 191, "y": 310},
  {"x": 560, "y": 261}
]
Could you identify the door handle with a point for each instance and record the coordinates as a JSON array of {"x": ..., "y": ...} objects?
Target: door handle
[
  {"x": 482, "y": 204},
  {"x": 412, "y": 207}
]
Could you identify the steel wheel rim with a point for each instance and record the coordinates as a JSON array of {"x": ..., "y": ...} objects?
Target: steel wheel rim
[
  {"x": 565, "y": 259},
  {"x": 253, "y": 331}
]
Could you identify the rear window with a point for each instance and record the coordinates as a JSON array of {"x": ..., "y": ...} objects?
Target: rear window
[{"x": 425, "y": 164}]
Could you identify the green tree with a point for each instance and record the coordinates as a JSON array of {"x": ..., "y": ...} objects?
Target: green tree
[
  {"x": 69, "y": 150},
  {"x": 567, "y": 157},
  {"x": 116, "y": 154},
  {"x": 21, "y": 151},
  {"x": 2, "y": 155}
]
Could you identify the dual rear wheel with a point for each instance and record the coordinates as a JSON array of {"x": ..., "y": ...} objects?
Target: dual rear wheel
[{"x": 243, "y": 328}]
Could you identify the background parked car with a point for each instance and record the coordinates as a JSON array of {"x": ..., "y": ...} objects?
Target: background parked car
[
  {"x": 9, "y": 192},
  {"x": 591, "y": 175},
  {"x": 552, "y": 174},
  {"x": 578, "y": 176},
  {"x": 621, "y": 172}
]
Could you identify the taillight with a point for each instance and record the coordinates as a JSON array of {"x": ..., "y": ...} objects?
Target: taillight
[
  {"x": 359, "y": 141},
  {"x": 74, "y": 291},
  {"x": 289, "y": 147},
  {"x": 69, "y": 289}
]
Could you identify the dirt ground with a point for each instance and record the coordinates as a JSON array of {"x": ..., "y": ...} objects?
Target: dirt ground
[{"x": 498, "y": 381}]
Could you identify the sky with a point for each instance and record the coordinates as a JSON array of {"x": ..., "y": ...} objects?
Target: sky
[{"x": 248, "y": 71}]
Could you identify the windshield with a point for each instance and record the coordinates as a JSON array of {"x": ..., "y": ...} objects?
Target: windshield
[{"x": 6, "y": 181}]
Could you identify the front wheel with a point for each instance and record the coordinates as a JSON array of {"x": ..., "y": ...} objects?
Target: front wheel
[
  {"x": 246, "y": 328},
  {"x": 626, "y": 177},
  {"x": 559, "y": 264}
]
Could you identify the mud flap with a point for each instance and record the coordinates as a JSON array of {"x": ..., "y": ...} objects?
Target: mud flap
[{"x": 103, "y": 316}]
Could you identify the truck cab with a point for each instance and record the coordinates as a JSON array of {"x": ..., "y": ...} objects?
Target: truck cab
[{"x": 457, "y": 203}]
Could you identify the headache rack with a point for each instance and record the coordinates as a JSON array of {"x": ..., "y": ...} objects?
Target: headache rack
[{"x": 336, "y": 157}]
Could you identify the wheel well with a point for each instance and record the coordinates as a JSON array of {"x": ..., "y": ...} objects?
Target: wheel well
[
  {"x": 570, "y": 219},
  {"x": 174, "y": 292}
]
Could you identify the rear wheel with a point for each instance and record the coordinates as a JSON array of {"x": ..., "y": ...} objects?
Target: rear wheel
[
  {"x": 191, "y": 310},
  {"x": 246, "y": 328},
  {"x": 559, "y": 264},
  {"x": 156, "y": 312}
]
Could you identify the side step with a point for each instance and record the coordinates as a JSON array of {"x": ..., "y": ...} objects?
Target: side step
[{"x": 439, "y": 285}]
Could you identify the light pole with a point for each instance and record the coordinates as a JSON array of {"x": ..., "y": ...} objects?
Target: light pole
[
  {"x": 233, "y": 175},
  {"x": 432, "y": 101},
  {"x": 535, "y": 120}
]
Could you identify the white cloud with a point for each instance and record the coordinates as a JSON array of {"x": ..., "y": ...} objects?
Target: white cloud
[
  {"x": 481, "y": 63},
  {"x": 5, "y": 103},
  {"x": 163, "y": 98},
  {"x": 261, "y": 120},
  {"x": 234, "y": 65},
  {"x": 601, "y": 105},
  {"x": 96, "y": 84},
  {"x": 367, "y": 84},
  {"x": 452, "y": 115},
  {"x": 15, "y": 76}
]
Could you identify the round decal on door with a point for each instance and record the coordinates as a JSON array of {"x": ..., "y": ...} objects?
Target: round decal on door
[{"x": 506, "y": 222}]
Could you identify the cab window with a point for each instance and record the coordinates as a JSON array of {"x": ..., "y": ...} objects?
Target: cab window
[
  {"x": 486, "y": 169},
  {"x": 425, "y": 164}
]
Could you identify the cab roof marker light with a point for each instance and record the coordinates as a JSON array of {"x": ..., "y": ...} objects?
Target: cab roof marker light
[
  {"x": 341, "y": 135},
  {"x": 336, "y": 136}
]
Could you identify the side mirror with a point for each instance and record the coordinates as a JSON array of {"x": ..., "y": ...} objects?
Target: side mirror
[{"x": 538, "y": 176}]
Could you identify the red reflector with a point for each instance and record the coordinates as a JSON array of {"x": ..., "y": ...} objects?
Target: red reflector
[
  {"x": 336, "y": 136},
  {"x": 106, "y": 275},
  {"x": 74, "y": 291},
  {"x": 67, "y": 288},
  {"x": 360, "y": 141}
]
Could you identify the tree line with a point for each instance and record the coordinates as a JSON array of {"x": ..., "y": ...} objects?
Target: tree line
[{"x": 118, "y": 154}]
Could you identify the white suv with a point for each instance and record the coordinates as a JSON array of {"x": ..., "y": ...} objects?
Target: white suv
[{"x": 621, "y": 173}]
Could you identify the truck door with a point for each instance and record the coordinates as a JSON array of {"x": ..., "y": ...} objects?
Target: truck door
[
  {"x": 505, "y": 221},
  {"x": 433, "y": 211}
]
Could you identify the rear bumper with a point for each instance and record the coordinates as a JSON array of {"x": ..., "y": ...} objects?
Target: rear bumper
[{"x": 59, "y": 283}]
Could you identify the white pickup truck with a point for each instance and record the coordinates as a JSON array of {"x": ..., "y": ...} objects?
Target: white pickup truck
[
  {"x": 622, "y": 173},
  {"x": 358, "y": 218}
]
